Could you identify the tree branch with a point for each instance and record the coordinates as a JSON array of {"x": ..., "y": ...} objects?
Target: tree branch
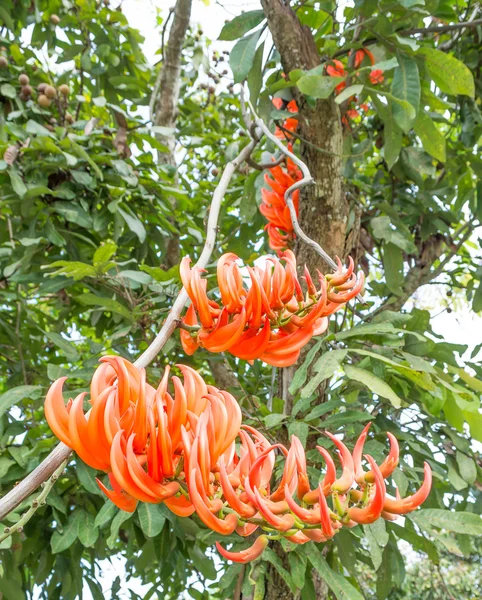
[
  {"x": 306, "y": 180},
  {"x": 62, "y": 452}
]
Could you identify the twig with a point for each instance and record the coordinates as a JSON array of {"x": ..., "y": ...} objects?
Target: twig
[
  {"x": 306, "y": 180},
  {"x": 263, "y": 166},
  {"x": 39, "y": 501},
  {"x": 62, "y": 452}
]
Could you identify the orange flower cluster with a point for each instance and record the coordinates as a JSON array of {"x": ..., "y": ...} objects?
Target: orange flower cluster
[
  {"x": 181, "y": 449},
  {"x": 273, "y": 205},
  {"x": 337, "y": 69},
  {"x": 290, "y": 124},
  {"x": 271, "y": 319},
  {"x": 376, "y": 75}
]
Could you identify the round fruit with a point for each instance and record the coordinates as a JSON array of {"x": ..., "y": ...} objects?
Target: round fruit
[
  {"x": 64, "y": 89},
  {"x": 23, "y": 79},
  {"x": 69, "y": 118},
  {"x": 3, "y": 62},
  {"x": 43, "y": 101},
  {"x": 41, "y": 87},
  {"x": 50, "y": 91},
  {"x": 54, "y": 19},
  {"x": 27, "y": 90}
]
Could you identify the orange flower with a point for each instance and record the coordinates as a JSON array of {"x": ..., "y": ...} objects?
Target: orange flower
[
  {"x": 181, "y": 449},
  {"x": 337, "y": 69},
  {"x": 273, "y": 205},
  {"x": 376, "y": 76},
  {"x": 290, "y": 124},
  {"x": 271, "y": 319}
]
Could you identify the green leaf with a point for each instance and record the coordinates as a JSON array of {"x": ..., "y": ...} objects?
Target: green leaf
[
  {"x": 137, "y": 276},
  {"x": 301, "y": 374},
  {"x": 11, "y": 589},
  {"x": 467, "y": 467},
  {"x": 105, "y": 514},
  {"x": 7, "y": 90},
  {"x": 393, "y": 266},
  {"x": 241, "y": 24},
  {"x": 67, "y": 348},
  {"x": 383, "y": 229},
  {"x": 477, "y": 299},
  {"x": 87, "y": 532},
  {"x": 104, "y": 253},
  {"x": 255, "y": 77},
  {"x": 318, "y": 86},
  {"x": 202, "y": 562},
  {"x": 300, "y": 430},
  {"x": 364, "y": 330},
  {"x": 15, "y": 395},
  {"x": 242, "y": 56},
  {"x": 392, "y": 134},
  {"x": 108, "y": 304},
  {"x": 134, "y": 223},
  {"x": 35, "y": 128},
  {"x": 449, "y": 73},
  {"x": 348, "y": 92},
  {"x": 342, "y": 588},
  {"x": 74, "y": 213},
  {"x": 405, "y": 87},
  {"x": 151, "y": 519},
  {"x": 324, "y": 368},
  {"x": 432, "y": 139},
  {"x": 76, "y": 270},
  {"x": 120, "y": 518},
  {"x": 458, "y": 522},
  {"x": 87, "y": 476},
  {"x": 17, "y": 182},
  {"x": 60, "y": 542},
  {"x": 373, "y": 383}
]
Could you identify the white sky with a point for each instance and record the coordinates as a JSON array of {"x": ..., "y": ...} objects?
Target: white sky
[{"x": 462, "y": 327}]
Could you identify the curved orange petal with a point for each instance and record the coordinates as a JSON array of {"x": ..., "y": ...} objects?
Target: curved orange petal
[
  {"x": 247, "y": 555},
  {"x": 56, "y": 413}
]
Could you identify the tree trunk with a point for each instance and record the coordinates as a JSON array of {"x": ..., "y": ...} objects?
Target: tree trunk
[
  {"x": 323, "y": 207},
  {"x": 164, "y": 104}
]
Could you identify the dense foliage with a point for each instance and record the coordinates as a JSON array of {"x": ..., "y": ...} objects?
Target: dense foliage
[{"x": 86, "y": 212}]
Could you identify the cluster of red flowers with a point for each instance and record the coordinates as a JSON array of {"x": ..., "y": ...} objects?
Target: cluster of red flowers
[
  {"x": 337, "y": 69},
  {"x": 273, "y": 205},
  {"x": 182, "y": 450},
  {"x": 270, "y": 320}
]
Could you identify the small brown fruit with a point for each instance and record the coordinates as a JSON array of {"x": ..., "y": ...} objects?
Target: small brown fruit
[
  {"x": 27, "y": 90},
  {"x": 53, "y": 121},
  {"x": 69, "y": 118},
  {"x": 54, "y": 19},
  {"x": 215, "y": 172},
  {"x": 23, "y": 79},
  {"x": 49, "y": 127},
  {"x": 41, "y": 87},
  {"x": 64, "y": 89},
  {"x": 50, "y": 91},
  {"x": 3, "y": 62},
  {"x": 43, "y": 101}
]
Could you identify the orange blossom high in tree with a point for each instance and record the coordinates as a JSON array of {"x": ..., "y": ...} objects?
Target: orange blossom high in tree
[{"x": 185, "y": 446}]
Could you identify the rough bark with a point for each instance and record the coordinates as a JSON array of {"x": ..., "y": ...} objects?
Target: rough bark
[
  {"x": 323, "y": 207},
  {"x": 166, "y": 97}
]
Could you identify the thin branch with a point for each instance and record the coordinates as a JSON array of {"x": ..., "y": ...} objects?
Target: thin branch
[
  {"x": 39, "y": 501},
  {"x": 62, "y": 452},
  {"x": 263, "y": 166},
  {"x": 306, "y": 180},
  {"x": 419, "y": 30}
]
